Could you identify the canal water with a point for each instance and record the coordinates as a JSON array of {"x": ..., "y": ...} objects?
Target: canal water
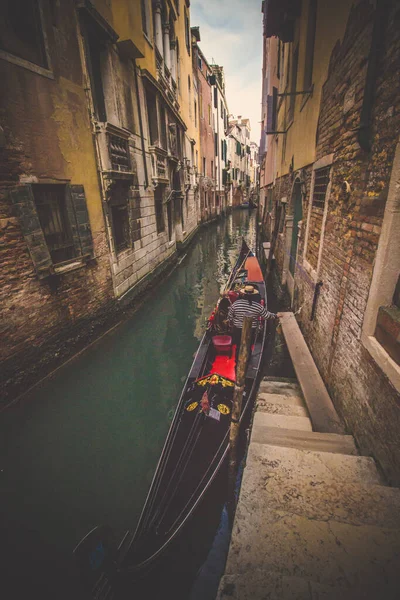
[{"x": 81, "y": 449}]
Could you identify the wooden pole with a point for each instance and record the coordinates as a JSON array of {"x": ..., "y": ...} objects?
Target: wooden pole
[
  {"x": 236, "y": 411},
  {"x": 278, "y": 214}
]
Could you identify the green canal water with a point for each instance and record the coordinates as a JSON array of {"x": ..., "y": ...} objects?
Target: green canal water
[{"x": 82, "y": 448}]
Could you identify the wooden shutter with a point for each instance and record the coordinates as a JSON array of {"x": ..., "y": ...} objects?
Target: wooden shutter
[
  {"x": 25, "y": 209},
  {"x": 269, "y": 114},
  {"x": 82, "y": 224}
]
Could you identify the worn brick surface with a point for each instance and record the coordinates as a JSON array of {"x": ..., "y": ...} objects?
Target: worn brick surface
[{"x": 361, "y": 392}]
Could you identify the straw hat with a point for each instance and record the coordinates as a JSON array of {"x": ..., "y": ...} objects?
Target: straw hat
[{"x": 249, "y": 290}]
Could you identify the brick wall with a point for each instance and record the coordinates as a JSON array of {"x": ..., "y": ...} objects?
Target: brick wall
[{"x": 361, "y": 392}]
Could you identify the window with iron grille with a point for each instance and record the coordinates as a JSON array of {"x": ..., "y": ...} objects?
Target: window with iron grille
[
  {"x": 50, "y": 201},
  {"x": 321, "y": 182},
  {"x": 119, "y": 153}
]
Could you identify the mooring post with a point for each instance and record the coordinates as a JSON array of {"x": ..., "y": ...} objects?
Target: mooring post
[{"x": 236, "y": 411}]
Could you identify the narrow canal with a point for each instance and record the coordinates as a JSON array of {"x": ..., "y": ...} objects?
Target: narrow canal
[{"x": 82, "y": 448}]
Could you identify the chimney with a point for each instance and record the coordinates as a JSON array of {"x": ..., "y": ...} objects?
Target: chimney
[{"x": 239, "y": 119}]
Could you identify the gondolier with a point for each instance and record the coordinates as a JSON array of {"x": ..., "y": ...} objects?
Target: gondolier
[{"x": 248, "y": 305}]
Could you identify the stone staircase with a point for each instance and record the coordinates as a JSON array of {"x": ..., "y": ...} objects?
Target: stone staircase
[{"x": 314, "y": 519}]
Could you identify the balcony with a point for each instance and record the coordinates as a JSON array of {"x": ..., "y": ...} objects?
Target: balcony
[
  {"x": 159, "y": 171},
  {"x": 114, "y": 151}
]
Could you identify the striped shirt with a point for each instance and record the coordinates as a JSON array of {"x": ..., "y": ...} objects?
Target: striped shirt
[{"x": 242, "y": 308}]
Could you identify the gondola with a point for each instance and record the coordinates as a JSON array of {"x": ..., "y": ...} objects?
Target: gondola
[{"x": 196, "y": 445}]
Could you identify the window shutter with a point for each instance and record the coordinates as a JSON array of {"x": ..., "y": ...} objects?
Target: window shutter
[
  {"x": 73, "y": 222},
  {"x": 82, "y": 223},
  {"x": 269, "y": 113},
  {"x": 25, "y": 209}
]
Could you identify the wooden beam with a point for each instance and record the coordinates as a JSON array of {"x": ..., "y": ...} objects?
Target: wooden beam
[{"x": 322, "y": 412}]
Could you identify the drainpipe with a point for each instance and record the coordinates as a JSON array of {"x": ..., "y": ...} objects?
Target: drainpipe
[
  {"x": 146, "y": 175},
  {"x": 364, "y": 134}
]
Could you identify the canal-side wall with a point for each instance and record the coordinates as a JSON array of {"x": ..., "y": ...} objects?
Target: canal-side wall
[
  {"x": 47, "y": 141},
  {"x": 351, "y": 245}
]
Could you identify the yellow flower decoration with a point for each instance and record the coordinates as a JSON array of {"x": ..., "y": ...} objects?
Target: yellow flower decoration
[
  {"x": 192, "y": 406},
  {"x": 223, "y": 409}
]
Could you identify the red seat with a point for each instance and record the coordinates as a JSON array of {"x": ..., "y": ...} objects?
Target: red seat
[{"x": 222, "y": 344}]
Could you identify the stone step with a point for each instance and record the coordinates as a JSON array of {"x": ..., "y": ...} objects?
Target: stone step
[
  {"x": 325, "y": 551},
  {"x": 278, "y": 387},
  {"x": 304, "y": 440},
  {"x": 280, "y": 399},
  {"x": 276, "y": 408},
  {"x": 265, "y": 419},
  {"x": 319, "y": 498},
  {"x": 322, "y": 465},
  {"x": 280, "y": 379},
  {"x": 259, "y": 584}
]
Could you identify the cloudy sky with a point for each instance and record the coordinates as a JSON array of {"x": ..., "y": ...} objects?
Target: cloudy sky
[{"x": 231, "y": 35}]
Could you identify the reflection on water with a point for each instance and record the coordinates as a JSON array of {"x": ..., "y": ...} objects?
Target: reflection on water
[{"x": 83, "y": 449}]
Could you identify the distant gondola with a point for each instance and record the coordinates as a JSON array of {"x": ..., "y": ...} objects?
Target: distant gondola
[{"x": 196, "y": 445}]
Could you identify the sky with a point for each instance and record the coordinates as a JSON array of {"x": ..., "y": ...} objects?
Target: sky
[{"x": 231, "y": 36}]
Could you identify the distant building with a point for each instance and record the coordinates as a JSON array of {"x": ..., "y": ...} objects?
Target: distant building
[
  {"x": 330, "y": 176},
  {"x": 220, "y": 126},
  {"x": 239, "y": 153}
]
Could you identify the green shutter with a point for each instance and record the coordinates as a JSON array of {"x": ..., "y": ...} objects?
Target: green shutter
[
  {"x": 72, "y": 220},
  {"x": 25, "y": 209},
  {"x": 81, "y": 221}
]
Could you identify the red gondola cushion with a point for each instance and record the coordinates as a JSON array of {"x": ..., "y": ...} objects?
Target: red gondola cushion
[{"x": 222, "y": 343}]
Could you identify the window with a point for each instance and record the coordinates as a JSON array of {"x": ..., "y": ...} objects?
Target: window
[
  {"x": 51, "y": 207},
  {"x": 144, "y": 17},
  {"x": 216, "y": 144},
  {"x": 95, "y": 55},
  {"x": 169, "y": 217},
  {"x": 195, "y": 113},
  {"x": 222, "y": 110},
  {"x": 135, "y": 217},
  {"x": 178, "y": 66},
  {"x": 159, "y": 209},
  {"x": 209, "y": 114},
  {"x": 163, "y": 128},
  {"x": 199, "y": 63},
  {"x": 152, "y": 117},
  {"x": 381, "y": 325},
  {"x": 55, "y": 223},
  {"x": 310, "y": 41},
  {"x": 120, "y": 224},
  {"x": 118, "y": 149},
  {"x": 320, "y": 186},
  {"x": 212, "y": 168},
  {"x": 204, "y": 166},
  {"x": 129, "y": 119},
  {"x": 317, "y": 212},
  {"x": 187, "y": 31},
  {"x": 21, "y": 32},
  {"x": 278, "y": 68},
  {"x": 388, "y": 325},
  {"x": 215, "y": 97},
  {"x": 293, "y": 83},
  {"x": 190, "y": 97}
]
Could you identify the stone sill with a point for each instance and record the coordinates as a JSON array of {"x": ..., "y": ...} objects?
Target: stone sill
[
  {"x": 73, "y": 266},
  {"x": 382, "y": 359}
]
